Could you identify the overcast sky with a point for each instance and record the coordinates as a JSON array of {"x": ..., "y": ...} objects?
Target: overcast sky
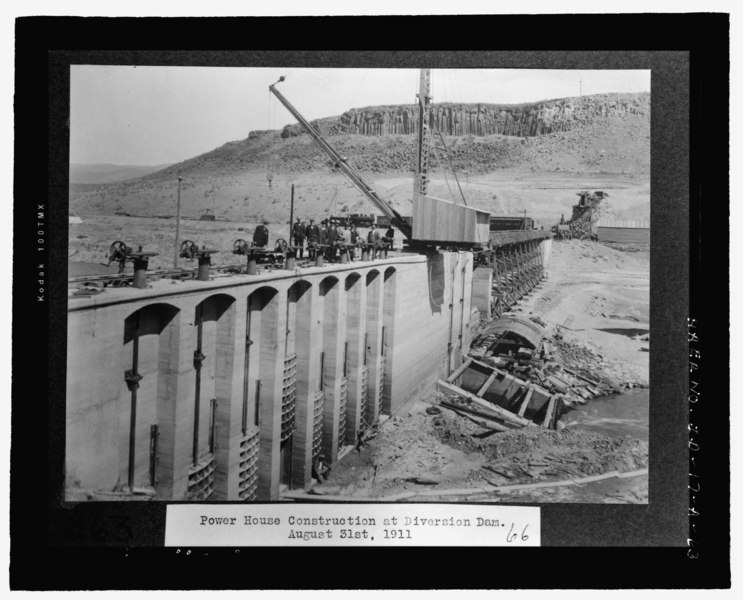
[{"x": 155, "y": 115}]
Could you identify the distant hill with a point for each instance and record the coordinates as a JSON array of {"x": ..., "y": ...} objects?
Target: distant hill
[
  {"x": 108, "y": 173},
  {"x": 602, "y": 134}
]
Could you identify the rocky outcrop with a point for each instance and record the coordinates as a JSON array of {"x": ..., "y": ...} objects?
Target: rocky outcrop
[{"x": 522, "y": 120}]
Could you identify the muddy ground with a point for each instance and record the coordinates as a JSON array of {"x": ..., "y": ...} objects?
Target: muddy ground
[{"x": 602, "y": 295}]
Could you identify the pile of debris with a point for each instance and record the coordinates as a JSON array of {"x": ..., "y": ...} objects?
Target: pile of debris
[
  {"x": 583, "y": 224},
  {"x": 516, "y": 376}
]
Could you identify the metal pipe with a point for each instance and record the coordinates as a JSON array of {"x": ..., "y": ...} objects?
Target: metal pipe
[
  {"x": 252, "y": 264},
  {"x": 212, "y": 425},
  {"x": 290, "y": 261},
  {"x": 177, "y": 225},
  {"x": 257, "y": 402},
  {"x": 153, "y": 454},
  {"x": 322, "y": 371},
  {"x": 132, "y": 378},
  {"x": 248, "y": 343},
  {"x": 198, "y": 359},
  {"x": 205, "y": 260},
  {"x": 140, "y": 272}
]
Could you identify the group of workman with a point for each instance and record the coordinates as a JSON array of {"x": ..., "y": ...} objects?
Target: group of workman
[{"x": 328, "y": 239}]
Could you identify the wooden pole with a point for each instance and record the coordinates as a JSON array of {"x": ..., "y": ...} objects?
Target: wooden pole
[
  {"x": 177, "y": 224},
  {"x": 291, "y": 218}
]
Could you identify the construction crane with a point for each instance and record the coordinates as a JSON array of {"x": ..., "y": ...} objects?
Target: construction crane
[{"x": 341, "y": 163}]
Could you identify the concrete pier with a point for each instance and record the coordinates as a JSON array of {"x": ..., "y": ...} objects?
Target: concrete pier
[{"x": 248, "y": 377}]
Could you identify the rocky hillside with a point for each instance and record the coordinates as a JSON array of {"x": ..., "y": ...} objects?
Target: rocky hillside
[
  {"x": 520, "y": 120},
  {"x": 603, "y": 134}
]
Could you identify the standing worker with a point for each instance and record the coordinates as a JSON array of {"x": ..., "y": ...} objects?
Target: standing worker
[
  {"x": 355, "y": 241},
  {"x": 388, "y": 240},
  {"x": 269, "y": 177},
  {"x": 260, "y": 236},
  {"x": 313, "y": 236},
  {"x": 329, "y": 240},
  {"x": 298, "y": 233},
  {"x": 372, "y": 238}
]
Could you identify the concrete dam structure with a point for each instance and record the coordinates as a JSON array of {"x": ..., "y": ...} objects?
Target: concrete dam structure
[{"x": 228, "y": 389}]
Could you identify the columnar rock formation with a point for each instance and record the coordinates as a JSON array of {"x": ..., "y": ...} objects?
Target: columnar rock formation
[{"x": 522, "y": 120}]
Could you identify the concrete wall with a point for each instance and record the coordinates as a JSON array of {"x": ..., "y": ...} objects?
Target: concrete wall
[
  {"x": 403, "y": 322},
  {"x": 482, "y": 284}
]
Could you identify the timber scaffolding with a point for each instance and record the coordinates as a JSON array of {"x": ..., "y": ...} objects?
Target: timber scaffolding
[{"x": 516, "y": 260}]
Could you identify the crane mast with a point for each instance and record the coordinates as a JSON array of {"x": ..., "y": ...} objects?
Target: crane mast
[
  {"x": 340, "y": 163},
  {"x": 424, "y": 107}
]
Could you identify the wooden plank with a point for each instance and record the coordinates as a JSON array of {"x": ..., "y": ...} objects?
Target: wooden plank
[
  {"x": 502, "y": 413},
  {"x": 550, "y": 409},
  {"x": 482, "y": 421},
  {"x": 462, "y": 368},
  {"x": 485, "y": 386},
  {"x": 525, "y": 403},
  {"x": 584, "y": 378},
  {"x": 305, "y": 497}
]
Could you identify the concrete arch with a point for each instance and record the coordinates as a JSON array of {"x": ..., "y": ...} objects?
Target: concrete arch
[
  {"x": 332, "y": 383},
  {"x": 213, "y": 352},
  {"x": 167, "y": 310},
  {"x": 351, "y": 279},
  {"x": 297, "y": 358},
  {"x": 372, "y": 350},
  {"x": 148, "y": 397},
  {"x": 266, "y": 330},
  {"x": 327, "y": 284}
]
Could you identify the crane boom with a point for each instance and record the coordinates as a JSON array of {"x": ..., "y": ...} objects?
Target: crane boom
[{"x": 340, "y": 162}]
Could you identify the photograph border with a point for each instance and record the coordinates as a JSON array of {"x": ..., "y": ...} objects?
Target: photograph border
[{"x": 682, "y": 51}]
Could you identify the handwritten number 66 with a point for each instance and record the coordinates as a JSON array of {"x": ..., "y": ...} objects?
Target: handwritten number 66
[{"x": 512, "y": 535}]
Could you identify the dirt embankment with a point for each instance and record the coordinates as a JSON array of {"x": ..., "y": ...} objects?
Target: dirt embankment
[
  {"x": 600, "y": 295},
  {"x": 598, "y": 299},
  {"x": 422, "y": 453}
]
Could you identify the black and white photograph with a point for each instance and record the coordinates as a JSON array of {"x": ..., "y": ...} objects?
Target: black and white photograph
[
  {"x": 366, "y": 284},
  {"x": 319, "y": 299}
]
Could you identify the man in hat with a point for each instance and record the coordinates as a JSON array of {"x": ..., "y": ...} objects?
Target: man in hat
[
  {"x": 356, "y": 241},
  {"x": 388, "y": 240},
  {"x": 298, "y": 237},
  {"x": 330, "y": 240},
  {"x": 372, "y": 238},
  {"x": 260, "y": 236},
  {"x": 320, "y": 469},
  {"x": 312, "y": 232}
]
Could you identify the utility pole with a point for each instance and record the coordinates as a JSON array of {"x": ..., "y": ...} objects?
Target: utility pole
[
  {"x": 291, "y": 217},
  {"x": 580, "y": 88},
  {"x": 177, "y": 224}
]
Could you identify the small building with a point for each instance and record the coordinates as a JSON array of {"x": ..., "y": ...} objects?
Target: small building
[{"x": 624, "y": 231}]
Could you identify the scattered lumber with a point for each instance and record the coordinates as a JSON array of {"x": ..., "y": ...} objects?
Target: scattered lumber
[
  {"x": 501, "y": 472},
  {"x": 502, "y": 413},
  {"x": 488, "y": 423},
  {"x": 462, "y": 368},
  {"x": 525, "y": 403}
]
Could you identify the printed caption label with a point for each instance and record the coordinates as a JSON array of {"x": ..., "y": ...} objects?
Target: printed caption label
[{"x": 351, "y": 524}]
